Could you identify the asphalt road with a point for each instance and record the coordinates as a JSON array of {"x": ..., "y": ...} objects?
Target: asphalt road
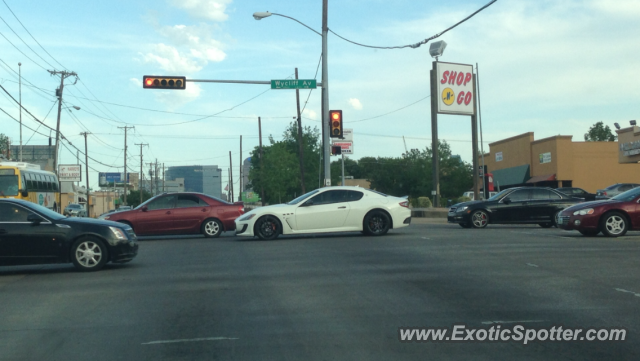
[{"x": 334, "y": 297}]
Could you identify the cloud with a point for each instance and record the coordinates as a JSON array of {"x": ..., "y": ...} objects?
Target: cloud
[
  {"x": 355, "y": 103},
  {"x": 204, "y": 9},
  {"x": 170, "y": 59},
  {"x": 310, "y": 114},
  {"x": 174, "y": 99},
  {"x": 135, "y": 81}
]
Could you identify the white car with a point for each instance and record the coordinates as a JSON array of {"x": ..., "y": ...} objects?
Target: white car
[{"x": 331, "y": 209}]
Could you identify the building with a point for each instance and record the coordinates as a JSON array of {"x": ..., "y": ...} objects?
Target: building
[
  {"x": 629, "y": 145},
  {"x": 168, "y": 186},
  {"x": 557, "y": 162},
  {"x": 205, "y": 179},
  {"x": 42, "y": 155}
]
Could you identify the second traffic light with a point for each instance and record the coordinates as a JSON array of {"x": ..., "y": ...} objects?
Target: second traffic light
[
  {"x": 335, "y": 123},
  {"x": 164, "y": 82}
]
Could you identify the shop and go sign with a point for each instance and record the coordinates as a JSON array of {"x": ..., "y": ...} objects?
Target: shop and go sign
[
  {"x": 70, "y": 173},
  {"x": 455, "y": 88},
  {"x": 545, "y": 158}
]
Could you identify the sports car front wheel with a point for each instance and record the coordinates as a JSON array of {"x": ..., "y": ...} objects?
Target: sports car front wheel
[
  {"x": 376, "y": 223},
  {"x": 267, "y": 228}
]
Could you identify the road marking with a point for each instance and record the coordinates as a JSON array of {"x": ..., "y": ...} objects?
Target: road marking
[
  {"x": 425, "y": 238},
  {"x": 535, "y": 234},
  {"x": 532, "y": 265},
  {"x": 625, "y": 291},
  {"x": 190, "y": 340},
  {"x": 496, "y": 322}
]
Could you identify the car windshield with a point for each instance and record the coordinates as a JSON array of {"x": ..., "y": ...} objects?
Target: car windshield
[
  {"x": 45, "y": 211},
  {"x": 627, "y": 196},
  {"x": 8, "y": 185},
  {"x": 74, "y": 206},
  {"x": 499, "y": 195},
  {"x": 303, "y": 197},
  {"x": 613, "y": 186}
]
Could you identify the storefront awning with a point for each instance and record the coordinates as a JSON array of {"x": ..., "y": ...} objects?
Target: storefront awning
[
  {"x": 542, "y": 178},
  {"x": 510, "y": 176}
]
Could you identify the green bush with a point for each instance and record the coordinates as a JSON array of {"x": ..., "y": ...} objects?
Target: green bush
[
  {"x": 463, "y": 199},
  {"x": 424, "y": 202}
]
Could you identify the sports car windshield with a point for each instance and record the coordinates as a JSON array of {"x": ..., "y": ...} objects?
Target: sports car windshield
[
  {"x": 627, "y": 196},
  {"x": 498, "y": 195},
  {"x": 303, "y": 197}
]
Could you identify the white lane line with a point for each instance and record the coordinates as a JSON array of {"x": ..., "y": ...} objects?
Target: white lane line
[
  {"x": 502, "y": 322},
  {"x": 190, "y": 340},
  {"x": 532, "y": 265},
  {"x": 625, "y": 291}
]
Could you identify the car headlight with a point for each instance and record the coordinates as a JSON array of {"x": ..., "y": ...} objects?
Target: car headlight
[
  {"x": 462, "y": 209},
  {"x": 247, "y": 217},
  {"x": 583, "y": 212},
  {"x": 118, "y": 232}
]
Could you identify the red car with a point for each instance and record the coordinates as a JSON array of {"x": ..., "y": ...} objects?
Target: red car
[
  {"x": 181, "y": 213},
  {"x": 613, "y": 217}
]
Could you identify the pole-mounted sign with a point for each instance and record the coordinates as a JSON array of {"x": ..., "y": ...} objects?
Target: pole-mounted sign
[{"x": 455, "y": 88}]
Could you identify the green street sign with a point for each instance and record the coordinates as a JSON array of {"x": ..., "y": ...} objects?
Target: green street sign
[
  {"x": 250, "y": 197},
  {"x": 293, "y": 84}
]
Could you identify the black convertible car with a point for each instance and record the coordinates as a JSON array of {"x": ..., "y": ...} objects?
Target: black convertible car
[
  {"x": 515, "y": 205},
  {"x": 32, "y": 234}
]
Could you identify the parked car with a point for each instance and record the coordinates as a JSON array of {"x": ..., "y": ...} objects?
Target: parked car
[
  {"x": 334, "y": 209},
  {"x": 577, "y": 192},
  {"x": 614, "y": 190},
  {"x": 75, "y": 210},
  {"x": 613, "y": 217},
  {"x": 181, "y": 213},
  {"x": 515, "y": 205},
  {"x": 33, "y": 234}
]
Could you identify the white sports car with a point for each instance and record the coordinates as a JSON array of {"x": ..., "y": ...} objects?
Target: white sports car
[{"x": 331, "y": 209}]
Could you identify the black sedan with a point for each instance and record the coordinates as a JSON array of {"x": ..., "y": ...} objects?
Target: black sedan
[
  {"x": 577, "y": 192},
  {"x": 32, "y": 234},
  {"x": 516, "y": 205}
]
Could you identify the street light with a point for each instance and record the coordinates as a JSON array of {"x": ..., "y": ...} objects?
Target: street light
[
  {"x": 437, "y": 49},
  {"x": 326, "y": 148},
  {"x": 617, "y": 125}
]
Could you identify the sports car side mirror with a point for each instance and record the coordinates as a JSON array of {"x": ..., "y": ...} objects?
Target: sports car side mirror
[{"x": 144, "y": 208}]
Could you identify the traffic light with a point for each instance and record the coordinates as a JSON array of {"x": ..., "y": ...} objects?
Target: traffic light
[
  {"x": 163, "y": 82},
  {"x": 335, "y": 125},
  {"x": 336, "y": 150}
]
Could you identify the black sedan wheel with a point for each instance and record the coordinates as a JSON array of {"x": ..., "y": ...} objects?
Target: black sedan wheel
[
  {"x": 267, "y": 228},
  {"x": 89, "y": 254},
  {"x": 211, "y": 228},
  {"x": 479, "y": 219},
  {"x": 614, "y": 224},
  {"x": 589, "y": 233},
  {"x": 376, "y": 223}
]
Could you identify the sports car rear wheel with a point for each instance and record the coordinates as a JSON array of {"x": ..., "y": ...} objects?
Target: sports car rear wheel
[
  {"x": 479, "y": 219},
  {"x": 376, "y": 223},
  {"x": 267, "y": 228}
]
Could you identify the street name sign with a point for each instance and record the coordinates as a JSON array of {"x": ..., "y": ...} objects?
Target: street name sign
[{"x": 293, "y": 84}]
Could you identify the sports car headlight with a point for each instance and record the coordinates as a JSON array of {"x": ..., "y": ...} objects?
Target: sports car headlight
[
  {"x": 118, "y": 232},
  {"x": 583, "y": 212},
  {"x": 247, "y": 217},
  {"x": 462, "y": 209}
]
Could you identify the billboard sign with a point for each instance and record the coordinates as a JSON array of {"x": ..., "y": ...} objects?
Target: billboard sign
[
  {"x": 347, "y": 147},
  {"x": 455, "y": 87},
  {"x": 545, "y": 158},
  {"x": 499, "y": 157},
  {"x": 347, "y": 135},
  {"x": 70, "y": 173},
  {"x": 110, "y": 178}
]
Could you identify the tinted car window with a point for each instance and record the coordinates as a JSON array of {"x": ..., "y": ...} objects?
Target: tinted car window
[
  {"x": 521, "y": 195},
  {"x": 353, "y": 196},
  {"x": 13, "y": 213},
  {"x": 540, "y": 194},
  {"x": 329, "y": 197},
  {"x": 162, "y": 203},
  {"x": 625, "y": 187},
  {"x": 187, "y": 200},
  {"x": 554, "y": 195}
]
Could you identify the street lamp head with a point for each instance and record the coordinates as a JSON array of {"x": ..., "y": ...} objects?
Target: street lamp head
[
  {"x": 632, "y": 122},
  {"x": 76, "y": 107},
  {"x": 617, "y": 125},
  {"x": 437, "y": 49},
  {"x": 261, "y": 15}
]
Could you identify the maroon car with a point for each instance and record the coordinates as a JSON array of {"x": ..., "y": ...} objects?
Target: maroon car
[
  {"x": 181, "y": 213},
  {"x": 613, "y": 217}
]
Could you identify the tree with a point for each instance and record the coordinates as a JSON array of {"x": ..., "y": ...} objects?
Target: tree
[
  {"x": 600, "y": 133},
  {"x": 4, "y": 145},
  {"x": 133, "y": 197}
]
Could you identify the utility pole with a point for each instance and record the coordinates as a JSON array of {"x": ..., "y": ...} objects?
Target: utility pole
[
  {"x": 63, "y": 75},
  {"x": 240, "y": 174},
  {"x": 342, "y": 168},
  {"x": 156, "y": 181},
  {"x": 124, "y": 202},
  {"x": 140, "y": 178},
  {"x": 151, "y": 190},
  {"x": 325, "y": 99},
  {"x": 20, "y": 94},
  {"x": 231, "y": 176},
  {"x": 261, "y": 162},
  {"x": 78, "y": 162},
  {"x": 163, "y": 178},
  {"x": 300, "y": 137},
  {"x": 86, "y": 168},
  {"x": 435, "y": 162}
]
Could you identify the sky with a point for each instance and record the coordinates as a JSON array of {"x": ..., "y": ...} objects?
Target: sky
[{"x": 549, "y": 67}]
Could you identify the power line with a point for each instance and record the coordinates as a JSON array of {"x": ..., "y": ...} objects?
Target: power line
[
  {"x": 18, "y": 49},
  {"x": 25, "y": 43},
  {"x": 418, "y": 44}
]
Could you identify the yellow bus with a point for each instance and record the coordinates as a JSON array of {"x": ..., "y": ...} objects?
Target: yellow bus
[{"x": 28, "y": 182}]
